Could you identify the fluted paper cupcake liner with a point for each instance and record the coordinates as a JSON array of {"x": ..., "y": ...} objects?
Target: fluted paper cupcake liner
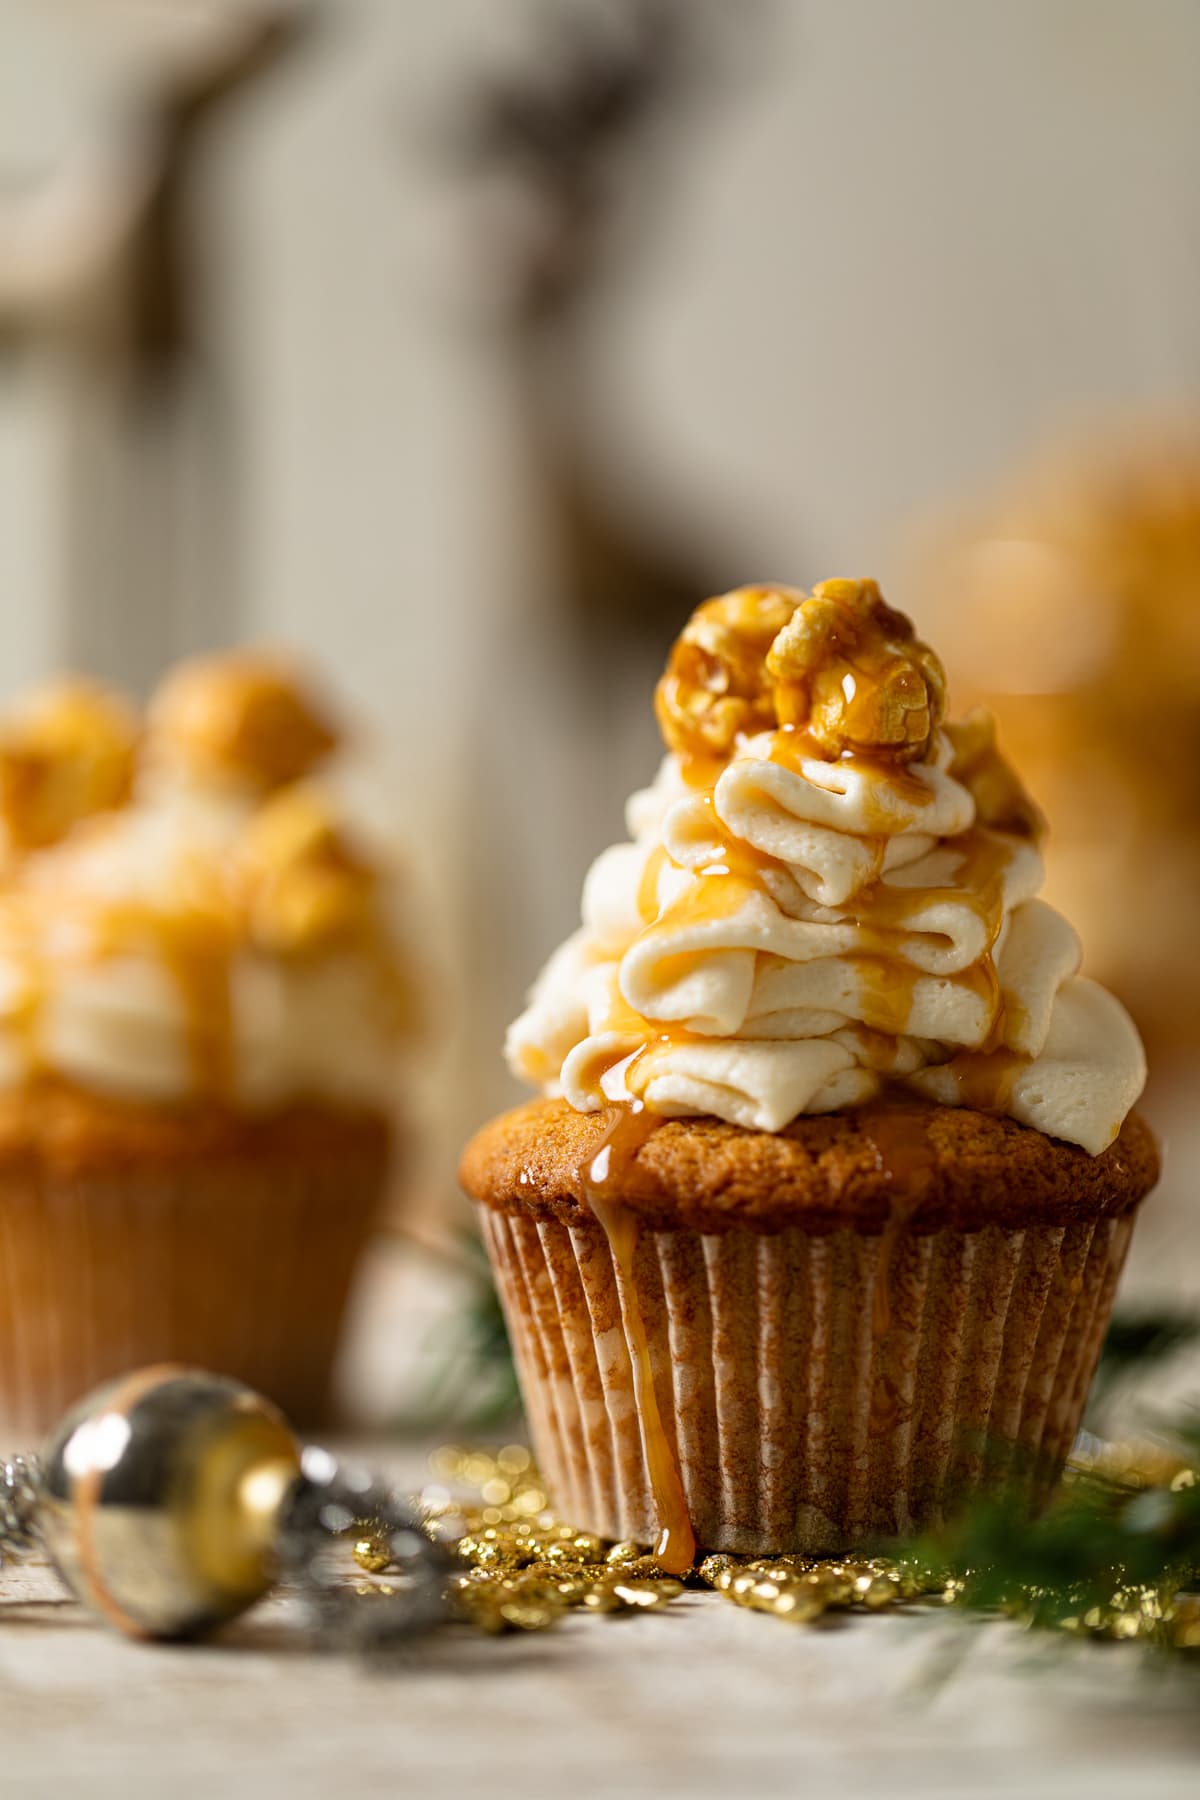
[
  {"x": 816, "y": 1391},
  {"x": 244, "y": 1270}
]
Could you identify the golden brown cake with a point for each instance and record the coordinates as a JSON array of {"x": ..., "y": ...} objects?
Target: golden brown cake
[
  {"x": 201, "y": 1007},
  {"x": 819, "y": 1224},
  {"x": 883, "y": 1371}
]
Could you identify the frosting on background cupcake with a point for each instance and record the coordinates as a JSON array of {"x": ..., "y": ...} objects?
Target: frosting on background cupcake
[
  {"x": 829, "y": 889},
  {"x": 184, "y": 913}
]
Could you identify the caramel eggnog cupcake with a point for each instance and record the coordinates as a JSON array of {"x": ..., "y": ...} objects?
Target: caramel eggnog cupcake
[
  {"x": 201, "y": 1007},
  {"x": 818, "y": 1225}
]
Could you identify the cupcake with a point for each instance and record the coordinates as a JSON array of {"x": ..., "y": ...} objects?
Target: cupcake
[
  {"x": 201, "y": 1005},
  {"x": 816, "y": 1226}
]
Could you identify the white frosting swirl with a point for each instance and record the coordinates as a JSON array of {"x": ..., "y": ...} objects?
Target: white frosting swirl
[
  {"x": 213, "y": 934},
  {"x": 803, "y": 931}
]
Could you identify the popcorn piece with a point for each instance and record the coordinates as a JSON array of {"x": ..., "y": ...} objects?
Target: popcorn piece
[
  {"x": 68, "y": 753},
  {"x": 849, "y": 670},
  {"x": 1001, "y": 801},
  {"x": 303, "y": 886},
  {"x": 715, "y": 688},
  {"x": 241, "y": 717}
]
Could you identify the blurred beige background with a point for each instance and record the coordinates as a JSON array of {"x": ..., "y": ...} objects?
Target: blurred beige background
[{"x": 914, "y": 241}]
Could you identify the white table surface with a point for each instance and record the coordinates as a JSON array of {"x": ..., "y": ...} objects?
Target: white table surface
[{"x": 702, "y": 1700}]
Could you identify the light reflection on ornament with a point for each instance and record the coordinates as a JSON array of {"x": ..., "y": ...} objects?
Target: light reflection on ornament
[{"x": 98, "y": 1445}]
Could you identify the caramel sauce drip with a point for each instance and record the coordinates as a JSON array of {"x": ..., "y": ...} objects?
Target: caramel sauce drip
[
  {"x": 195, "y": 947},
  {"x": 601, "y": 1184},
  {"x": 985, "y": 1078},
  {"x": 718, "y": 893},
  {"x": 884, "y": 913},
  {"x": 720, "y": 886},
  {"x": 700, "y": 771},
  {"x": 734, "y": 856},
  {"x": 886, "y": 987},
  {"x": 902, "y": 1155},
  {"x": 641, "y": 1049},
  {"x": 792, "y": 747},
  {"x": 978, "y": 884},
  {"x": 647, "y": 894},
  {"x": 26, "y": 1020},
  {"x": 1001, "y": 801}
]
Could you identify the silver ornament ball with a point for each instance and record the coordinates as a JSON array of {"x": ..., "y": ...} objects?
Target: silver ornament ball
[{"x": 161, "y": 1496}]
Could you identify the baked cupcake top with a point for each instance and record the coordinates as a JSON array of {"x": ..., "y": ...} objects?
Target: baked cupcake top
[
  {"x": 184, "y": 912},
  {"x": 830, "y": 890},
  {"x": 935, "y": 1167}
]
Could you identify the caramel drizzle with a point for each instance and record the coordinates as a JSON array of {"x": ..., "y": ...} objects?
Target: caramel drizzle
[
  {"x": 902, "y": 1155},
  {"x": 888, "y": 982},
  {"x": 639, "y": 1051},
  {"x": 647, "y": 894},
  {"x": 985, "y": 1078},
  {"x": 883, "y": 914},
  {"x": 195, "y": 947},
  {"x": 602, "y": 1183},
  {"x": 192, "y": 940},
  {"x": 22, "y": 941},
  {"x": 701, "y": 770},
  {"x": 792, "y": 747}
]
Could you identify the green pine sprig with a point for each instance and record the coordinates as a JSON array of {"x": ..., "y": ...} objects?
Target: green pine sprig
[
  {"x": 472, "y": 1385},
  {"x": 1116, "y": 1553}
]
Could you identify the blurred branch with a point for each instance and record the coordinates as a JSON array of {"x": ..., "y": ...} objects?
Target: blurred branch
[
  {"x": 561, "y": 127},
  {"x": 1136, "y": 1344},
  {"x": 566, "y": 144},
  {"x": 473, "y": 1384},
  {"x": 1111, "y": 1557},
  {"x": 99, "y": 259}
]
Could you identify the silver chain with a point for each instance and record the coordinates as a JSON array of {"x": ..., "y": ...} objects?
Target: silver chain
[
  {"x": 18, "y": 1506},
  {"x": 328, "y": 1500}
]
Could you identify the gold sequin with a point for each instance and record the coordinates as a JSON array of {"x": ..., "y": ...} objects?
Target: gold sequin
[
  {"x": 372, "y": 1554},
  {"x": 524, "y": 1569}
]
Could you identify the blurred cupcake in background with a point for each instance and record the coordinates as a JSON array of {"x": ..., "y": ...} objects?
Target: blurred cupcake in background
[
  {"x": 203, "y": 1007},
  {"x": 1071, "y": 607}
]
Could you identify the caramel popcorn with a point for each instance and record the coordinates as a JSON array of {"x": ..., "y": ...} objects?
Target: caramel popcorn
[
  {"x": 303, "y": 886},
  {"x": 839, "y": 664},
  {"x": 242, "y": 716},
  {"x": 68, "y": 754},
  {"x": 715, "y": 687},
  {"x": 848, "y": 669},
  {"x": 1001, "y": 801}
]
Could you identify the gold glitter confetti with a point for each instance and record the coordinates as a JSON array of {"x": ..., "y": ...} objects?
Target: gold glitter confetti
[
  {"x": 372, "y": 1554},
  {"x": 524, "y": 1569},
  {"x": 625, "y": 1552}
]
